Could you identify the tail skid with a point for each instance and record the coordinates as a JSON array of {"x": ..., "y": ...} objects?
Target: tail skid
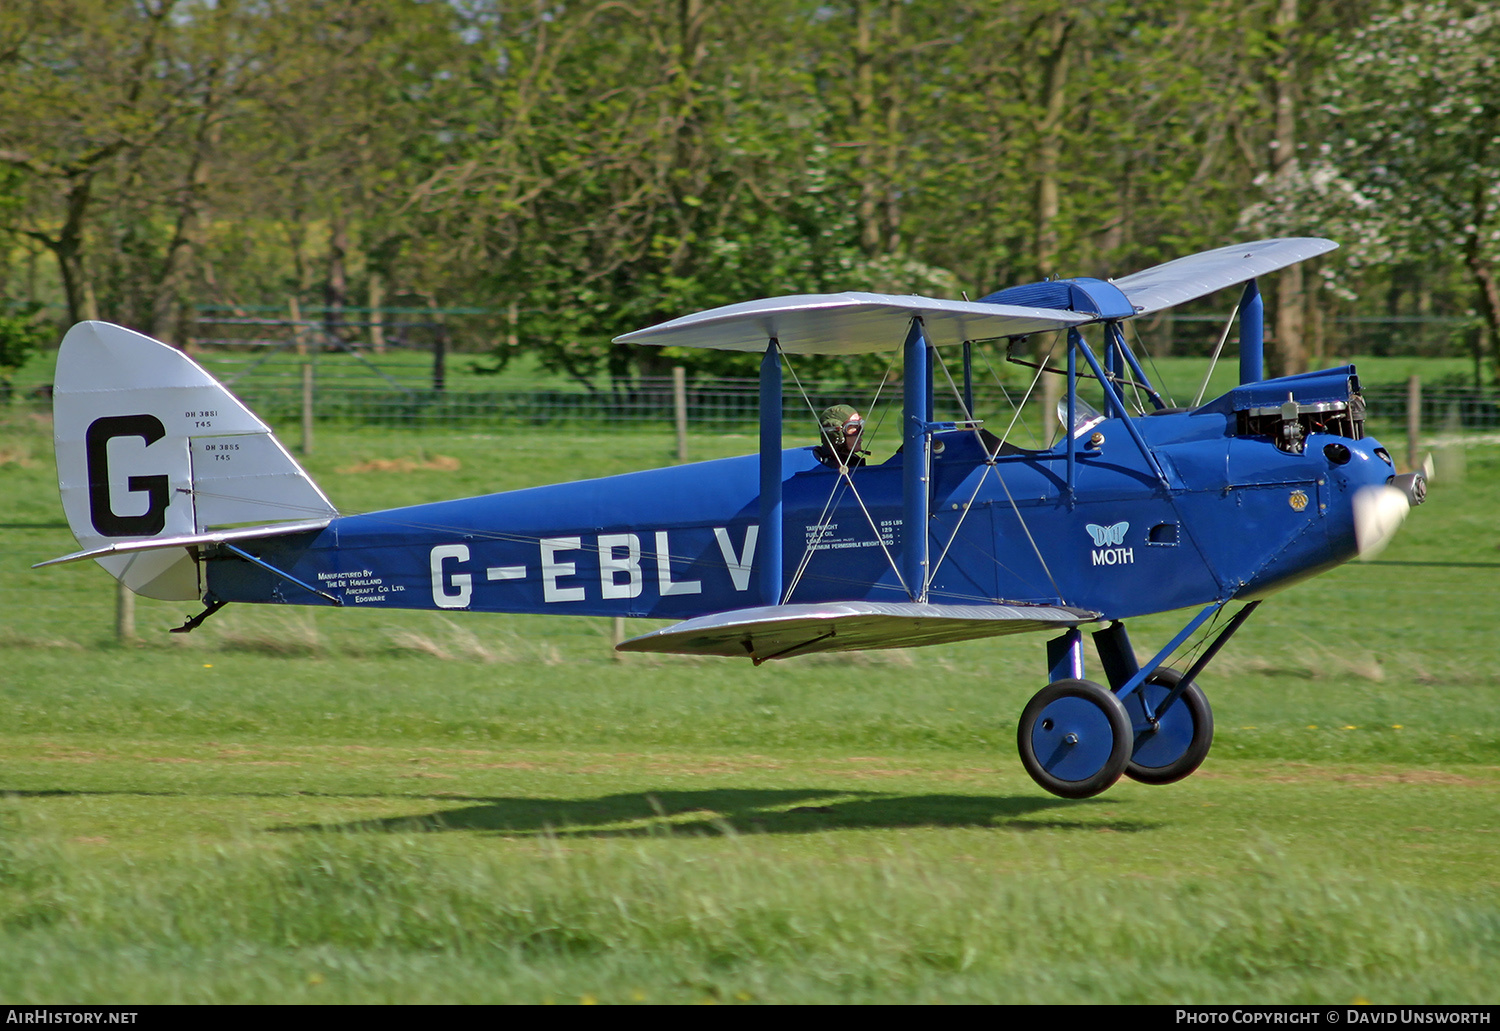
[{"x": 155, "y": 458}]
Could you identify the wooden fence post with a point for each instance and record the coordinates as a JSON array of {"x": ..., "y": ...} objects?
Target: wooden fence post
[
  {"x": 1050, "y": 394},
  {"x": 439, "y": 346},
  {"x": 1413, "y": 421},
  {"x": 124, "y": 613},
  {"x": 307, "y": 375},
  {"x": 1451, "y": 460},
  {"x": 679, "y": 402}
]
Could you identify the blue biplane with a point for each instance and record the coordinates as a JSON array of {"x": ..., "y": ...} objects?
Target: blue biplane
[{"x": 181, "y": 493}]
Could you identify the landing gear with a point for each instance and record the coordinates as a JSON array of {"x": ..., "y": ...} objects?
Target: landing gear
[
  {"x": 1176, "y": 742},
  {"x": 1075, "y": 738}
]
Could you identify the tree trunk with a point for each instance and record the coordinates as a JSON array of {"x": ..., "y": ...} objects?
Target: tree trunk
[
  {"x": 1476, "y": 258},
  {"x": 168, "y": 313},
  {"x": 67, "y": 247},
  {"x": 1288, "y": 340},
  {"x": 1316, "y": 326},
  {"x": 1049, "y": 146},
  {"x": 1487, "y": 291},
  {"x": 336, "y": 286},
  {"x": 1288, "y": 349},
  {"x": 376, "y": 286},
  {"x": 864, "y": 124},
  {"x": 892, "y": 149}
]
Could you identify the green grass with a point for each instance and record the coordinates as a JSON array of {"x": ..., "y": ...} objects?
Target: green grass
[{"x": 314, "y": 806}]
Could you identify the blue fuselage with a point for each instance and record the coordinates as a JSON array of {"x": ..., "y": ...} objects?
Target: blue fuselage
[{"x": 1236, "y": 516}]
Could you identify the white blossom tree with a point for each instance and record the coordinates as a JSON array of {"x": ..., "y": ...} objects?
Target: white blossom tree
[{"x": 1412, "y": 161}]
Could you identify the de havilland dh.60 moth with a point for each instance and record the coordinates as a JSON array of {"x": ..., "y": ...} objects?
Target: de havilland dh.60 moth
[{"x": 181, "y": 493}]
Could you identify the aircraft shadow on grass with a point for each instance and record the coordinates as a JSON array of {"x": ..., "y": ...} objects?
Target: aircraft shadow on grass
[
  {"x": 708, "y": 813},
  {"x": 729, "y": 811}
]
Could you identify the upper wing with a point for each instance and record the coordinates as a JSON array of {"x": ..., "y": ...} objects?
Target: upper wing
[
  {"x": 774, "y": 631},
  {"x": 856, "y": 323},
  {"x": 848, "y": 323},
  {"x": 1197, "y": 275}
]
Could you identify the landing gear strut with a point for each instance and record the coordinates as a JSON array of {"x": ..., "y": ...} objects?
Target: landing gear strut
[{"x": 1077, "y": 738}]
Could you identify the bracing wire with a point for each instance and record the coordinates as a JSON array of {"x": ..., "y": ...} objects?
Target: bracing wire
[
  {"x": 1215, "y": 359},
  {"x": 968, "y": 507},
  {"x": 1035, "y": 379},
  {"x": 845, "y": 477},
  {"x": 1161, "y": 385}
]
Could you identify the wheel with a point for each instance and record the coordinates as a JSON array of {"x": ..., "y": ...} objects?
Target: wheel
[
  {"x": 1179, "y": 743},
  {"x": 1074, "y": 738}
]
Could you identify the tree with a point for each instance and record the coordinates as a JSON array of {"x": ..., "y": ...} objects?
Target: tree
[
  {"x": 350, "y": 117},
  {"x": 78, "y": 86},
  {"x": 21, "y": 335},
  {"x": 636, "y": 163},
  {"x": 1414, "y": 99}
]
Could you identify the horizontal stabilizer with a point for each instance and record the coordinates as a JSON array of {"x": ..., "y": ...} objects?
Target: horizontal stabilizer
[
  {"x": 189, "y": 540},
  {"x": 848, "y": 323},
  {"x": 774, "y": 631},
  {"x": 1199, "y": 275}
]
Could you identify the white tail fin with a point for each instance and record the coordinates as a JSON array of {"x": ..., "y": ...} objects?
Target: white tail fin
[{"x": 149, "y": 445}]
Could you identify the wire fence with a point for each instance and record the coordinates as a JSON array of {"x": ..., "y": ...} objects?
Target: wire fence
[
  {"x": 397, "y": 368},
  {"x": 715, "y": 403},
  {"x": 724, "y": 402}
]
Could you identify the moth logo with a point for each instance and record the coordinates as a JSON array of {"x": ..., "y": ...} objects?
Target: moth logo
[
  {"x": 1107, "y": 534},
  {"x": 1107, "y": 541}
]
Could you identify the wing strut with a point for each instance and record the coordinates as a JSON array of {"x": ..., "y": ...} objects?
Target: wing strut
[
  {"x": 1115, "y": 400},
  {"x": 1252, "y": 334},
  {"x": 770, "y": 474},
  {"x": 916, "y": 445}
]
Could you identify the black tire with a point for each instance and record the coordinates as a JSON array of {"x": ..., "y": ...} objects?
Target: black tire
[
  {"x": 1183, "y": 737},
  {"x": 1074, "y": 738}
]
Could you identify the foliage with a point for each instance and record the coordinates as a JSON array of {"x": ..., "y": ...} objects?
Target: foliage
[
  {"x": 21, "y": 336},
  {"x": 586, "y": 169},
  {"x": 1407, "y": 174}
]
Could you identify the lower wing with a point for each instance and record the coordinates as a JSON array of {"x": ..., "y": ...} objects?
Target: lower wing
[{"x": 777, "y": 631}]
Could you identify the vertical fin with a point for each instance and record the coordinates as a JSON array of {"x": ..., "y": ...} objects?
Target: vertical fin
[{"x": 150, "y": 445}]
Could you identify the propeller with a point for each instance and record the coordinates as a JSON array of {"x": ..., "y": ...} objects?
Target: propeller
[{"x": 1378, "y": 514}]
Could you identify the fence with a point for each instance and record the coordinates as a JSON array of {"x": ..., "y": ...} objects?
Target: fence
[
  {"x": 716, "y": 402},
  {"x": 720, "y": 402},
  {"x": 399, "y": 367},
  {"x": 1442, "y": 408}
]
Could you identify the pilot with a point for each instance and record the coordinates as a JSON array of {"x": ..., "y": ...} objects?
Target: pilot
[{"x": 842, "y": 431}]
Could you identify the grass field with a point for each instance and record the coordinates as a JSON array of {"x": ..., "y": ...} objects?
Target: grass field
[{"x": 298, "y": 805}]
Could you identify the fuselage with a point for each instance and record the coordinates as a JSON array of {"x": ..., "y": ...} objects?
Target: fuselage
[{"x": 1220, "y": 510}]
